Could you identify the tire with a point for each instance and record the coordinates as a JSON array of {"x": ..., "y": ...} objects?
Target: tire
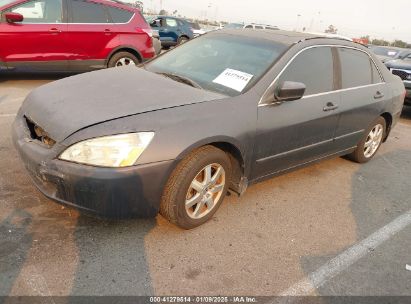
[
  {"x": 123, "y": 59},
  {"x": 360, "y": 155},
  {"x": 179, "y": 191},
  {"x": 182, "y": 40}
]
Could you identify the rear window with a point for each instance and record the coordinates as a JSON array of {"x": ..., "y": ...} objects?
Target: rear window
[
  {"x": 357, "y": 68},
  {"x": 119, "y": 15},
  {"x": 88, "y": 12}
]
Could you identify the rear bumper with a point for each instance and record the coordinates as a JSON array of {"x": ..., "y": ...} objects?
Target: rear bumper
[{"x": 109, "y": 193}]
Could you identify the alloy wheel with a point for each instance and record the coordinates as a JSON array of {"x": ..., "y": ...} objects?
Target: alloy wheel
[
  {"x": 124, "y": 62},
  {"x": 205, "y": 191},
  {"x": 373, "y": 141}
]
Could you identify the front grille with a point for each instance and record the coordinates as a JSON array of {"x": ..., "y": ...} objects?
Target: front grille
[
  {"x": 37, "y": 133},
  {"x": 404, "y": 75}
]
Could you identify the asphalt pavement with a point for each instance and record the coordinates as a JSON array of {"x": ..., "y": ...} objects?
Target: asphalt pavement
[{"x": 305, "y": 232}]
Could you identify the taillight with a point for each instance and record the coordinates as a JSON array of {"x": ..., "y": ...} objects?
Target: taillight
[{"x": 149, "y": 32}]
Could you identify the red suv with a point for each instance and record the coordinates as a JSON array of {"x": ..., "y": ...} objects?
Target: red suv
[{"x": 72, "y": 35}]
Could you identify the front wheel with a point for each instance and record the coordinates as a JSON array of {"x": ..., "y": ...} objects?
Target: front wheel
[
  {"x": 196, "y": 188},
  {"x": 182, "y": 40},
  {"x": 371, "y": 142},
  {"x": 123, "y": 59}
]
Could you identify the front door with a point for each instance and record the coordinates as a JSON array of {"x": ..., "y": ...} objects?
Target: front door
[
  {"x": 39, "y": 40},
  {"x": 299, "y": 131}
]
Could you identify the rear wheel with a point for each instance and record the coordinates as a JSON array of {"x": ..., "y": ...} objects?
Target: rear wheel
[
  {"x": 371, "y": 142},
  {"x": 123, "y": 59},
  {"x": 196, "y": 188}
]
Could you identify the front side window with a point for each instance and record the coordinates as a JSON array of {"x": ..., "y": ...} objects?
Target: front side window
[
  {"x": 40, "y": 11},
  {"x": 314, "y": 68},
  {"x": 88, "y": 12},
  {"x": 357, "y": 68}
]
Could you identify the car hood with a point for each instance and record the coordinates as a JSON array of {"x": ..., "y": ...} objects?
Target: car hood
[
  {"x": 66, "y": 106},
  {"x": 399, "y": 64}
]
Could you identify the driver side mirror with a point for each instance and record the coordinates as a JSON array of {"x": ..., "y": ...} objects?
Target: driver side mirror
[
  {"x": 13, "y": 17},
  {"x": 289, "y": 91}
]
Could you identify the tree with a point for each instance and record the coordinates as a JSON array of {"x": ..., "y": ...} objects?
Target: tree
[
  {"x": 163, "y": 12},
  {"x": 380, "y": 42},
  {"x": 400, "y": 44},
  {"x": 331, "y": 29}
]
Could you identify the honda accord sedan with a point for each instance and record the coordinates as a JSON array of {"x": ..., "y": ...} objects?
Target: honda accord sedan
[{"x": 216, "y": 114}]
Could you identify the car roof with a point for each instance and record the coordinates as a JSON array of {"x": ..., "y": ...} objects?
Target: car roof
[
  {"x": 280, "y": 36},
  {"x": 117, "y": 3},
  {"x": 114, "y": 3}
]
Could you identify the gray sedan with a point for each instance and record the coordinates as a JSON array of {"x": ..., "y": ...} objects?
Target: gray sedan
[{"x": 218, "y": 113}]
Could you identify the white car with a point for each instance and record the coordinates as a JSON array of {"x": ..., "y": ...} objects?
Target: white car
[
  {"x": 196, "y": 28},
  {"x": 251, "y": 26}
]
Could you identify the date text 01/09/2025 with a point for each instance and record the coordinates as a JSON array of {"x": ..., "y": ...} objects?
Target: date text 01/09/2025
[{"x": 210, "y": 299}]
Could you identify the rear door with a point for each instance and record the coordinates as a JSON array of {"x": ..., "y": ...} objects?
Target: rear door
[
  {"x": 363, "y": 91},
  {"x": 40, "y": 40},
  {"x": 91, "y": 34},
  {"x": 299, "y": 131}
]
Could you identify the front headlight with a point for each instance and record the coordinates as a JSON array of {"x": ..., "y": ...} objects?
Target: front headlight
[{"x": 110, "y": 151}]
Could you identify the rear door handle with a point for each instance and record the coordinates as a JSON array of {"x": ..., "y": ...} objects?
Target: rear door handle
[
  {"x": 378, "y": 95},
  {"x": 54, "y": 30},
  {"x": 330, "y": 107},
  {"x": 107, "y": 31}
]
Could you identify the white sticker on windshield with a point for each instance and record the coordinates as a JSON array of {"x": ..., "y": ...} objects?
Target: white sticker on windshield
[
  {"x": 392, "y": 53},
  {"x": 234, "y": 79}
]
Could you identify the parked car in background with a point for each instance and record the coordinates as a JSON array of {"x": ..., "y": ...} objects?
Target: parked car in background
[
  {"x": 387, "y": 53},
  {"x": 235, "y": 107},
  {"x": 88, "y": 35},
  {"x": 402, "y": 68},
  {"x": 197, "y": 30},
  {"x": 250, "y": 26},
  {"x": 173, "y": 31}
]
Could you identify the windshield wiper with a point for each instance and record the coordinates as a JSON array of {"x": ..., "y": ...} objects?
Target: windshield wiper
[{"x": 182, "y": 79}]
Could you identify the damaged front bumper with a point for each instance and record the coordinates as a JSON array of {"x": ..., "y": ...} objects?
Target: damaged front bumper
[{"x": 106, "y": 192}]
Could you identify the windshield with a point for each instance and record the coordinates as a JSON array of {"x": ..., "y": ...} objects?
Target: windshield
[
  {"x": 220, "y": 63},
  {"x": 5, "y": 2},
  {"x": 382, "y": 51}
]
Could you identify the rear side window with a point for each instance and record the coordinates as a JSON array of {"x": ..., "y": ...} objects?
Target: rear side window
[
  {"x": 314, "y": 68},
  {"x": 40, "y": 11},
  {"x": 88, "y": 12},
  {"x": 119, "y": 15},
  {"x": 357, "y": 69},
  {"x": 376, "y": 78}
]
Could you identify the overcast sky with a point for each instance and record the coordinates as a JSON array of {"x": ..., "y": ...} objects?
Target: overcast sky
[{"x": 353, "y": 18}]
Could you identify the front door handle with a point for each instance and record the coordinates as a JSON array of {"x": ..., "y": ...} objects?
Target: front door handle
[
  {"x": 330, "y": 107},
  {"x": 378, "y": 95},
  {"x": 107, "y": 31}
]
